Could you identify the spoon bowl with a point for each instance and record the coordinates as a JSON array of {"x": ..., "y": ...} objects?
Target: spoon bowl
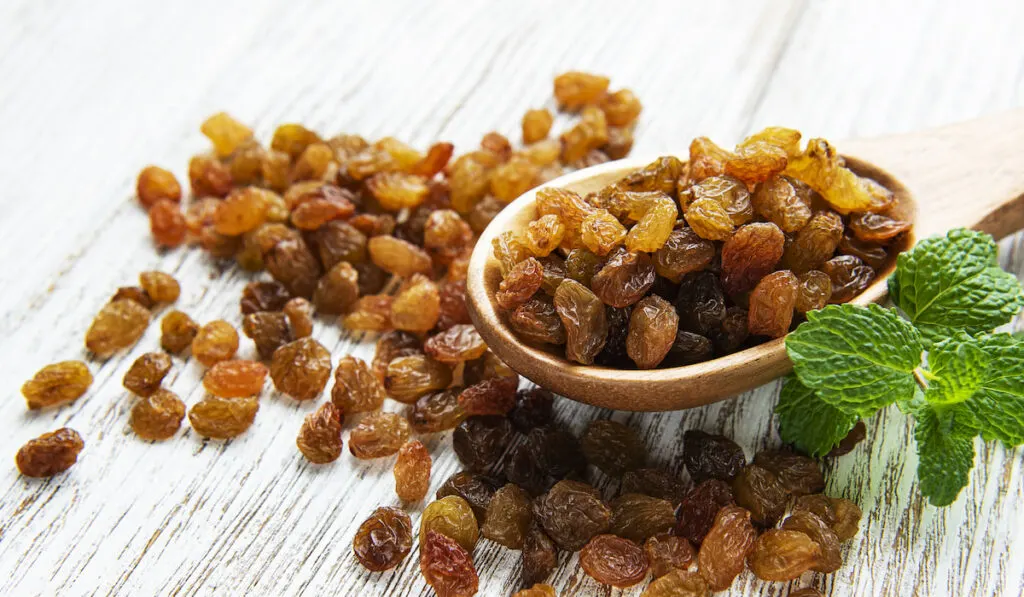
[{"x": 941, "y": 179}]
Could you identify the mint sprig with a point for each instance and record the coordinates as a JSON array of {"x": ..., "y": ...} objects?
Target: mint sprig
[{"x": 945, "y": 367}]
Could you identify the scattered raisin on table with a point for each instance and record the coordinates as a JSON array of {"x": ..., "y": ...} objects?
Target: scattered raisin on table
[
  {"x": 157, "y": 416},
  {"x": 678, "y": 583},
  {"x": 799, "y": 474},
  {"x": 160, "y": 287},
  {"x": 264, "y": 295},
  {"x": 409, "y": 377},
  {"x": 533, "y": 408},
  {"x": 319, "y": 438},
  {"x": 378, "y": 434},
  {"x": 146, "y": 373},
  {"x": 223, "y": 418},
  {"x": 537, "y": 590},
  {"x": 476, "y": 489},
  {"x": 509, "y": 516},
  {"x": 762, "y": 493},
  {"x": 300, "y": 369},
  {"x": 134, "y": 293},
  {"x": 614, "y": 561},
  {"x": 118, "y": 325},
  {"x": 450, "y": 516},
  {"x": 613, "y": 447},
  {"x": 667, "y": 552},
  {"x": 724, "y": 550},
  {"x": 167, "y": 224},
  {"x": 437, "y": 411},
  {"x": 818, "y": 530},
  {"x": 654, "y": 482},
  {"x": 447, "y": 567},
  {"x": 269, "y": 330},
  {"x": 782, "y": 555},
  {"x": 216, "y": 341},
  {"x": 480, "y": 441},
  {"x": 636, "y": 516},
  {"x": 412, "y": 472},
  {"x": 156, "y": 184},
  {"x": 709, "y": 456},
  {"x": 495, "y": 396},
  {"x": 356, "y": 389},
  {"x": 572, "y": 513},
  {"x": 299, "y": 312},
  {"x": 50, "y": 453},
  {"x": 57, "y": 383},
  {"x": 383, "y": 540},
  {"x": 699, "y": 508}
]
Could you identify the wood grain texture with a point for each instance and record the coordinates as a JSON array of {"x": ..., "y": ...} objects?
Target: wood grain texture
[{"x": 93, "y": 91}]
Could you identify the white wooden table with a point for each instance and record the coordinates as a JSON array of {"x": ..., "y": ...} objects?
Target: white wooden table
[{"x": 92, "y": 91}]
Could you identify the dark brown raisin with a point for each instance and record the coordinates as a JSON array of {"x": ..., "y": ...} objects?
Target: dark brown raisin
[
  {"x": 540, "y": 557},
  {"x": 509, "y": 516},
  {"x": 383, "y": 540},
  {"x": 533, "y": 408},
  {"x": 479, "y": 442},
  {"x": 477, "y": 490},
  {"x": 613, "y": 447},
  {"x": 572, "y": 514},
  {"x": 709, "y": 456},
  {"x": 624, "y": 279},
  {"x": 146, "y": 373},
  {"x": 654, "y": 482},
  {"x": 636, "y": 516},
  {"x": 758, "y": 490},
  {"x": 699, "y": 507}
]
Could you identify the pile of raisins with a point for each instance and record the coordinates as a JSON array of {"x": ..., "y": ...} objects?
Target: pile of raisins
[{"x": 681, "y": 262}]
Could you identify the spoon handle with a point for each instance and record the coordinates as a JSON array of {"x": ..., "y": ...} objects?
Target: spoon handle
[{"x": 969, "y": 174}]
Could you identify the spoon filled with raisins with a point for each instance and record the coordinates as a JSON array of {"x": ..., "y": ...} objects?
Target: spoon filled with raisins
[{"x": 671, "y": 283}]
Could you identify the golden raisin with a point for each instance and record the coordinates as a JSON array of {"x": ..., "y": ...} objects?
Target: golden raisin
[
  {"x": 156, "y": 184},
  {"x": 575, "y": 89},
  {"x": 412, "y": 472},
  {"x": 118, "y": 325},
  {"x": 223, "y": 418},
  {"x": 157, "y": 416},
  {"x": 167, "y": 224},
  {"x": 314, "y": 162},
  {"x": 452, "y": 517},
  {"x": 371, "y": 313},
  {"x": 293, "y": 139},
  {"x": 398, "y": 257},
  {"x": 513, "y": 178},
  {"x": 226, "y": 133},
  {"x": 146, "y": 373},
  {"x": 409, "y": 377},
  {"x": 356, "y": 389},
  {"x": 177, "y": 330},
  {"x": 396, "y": 190},
  {"x": 50, "y": 453},
  {"x": 57, "y": 383},
  {"x": 235, "y": 379},
  {"x": 160, "y": 287},
  {"x": 417, "y": 305},
  {"x": 300, "y": 316},
  {"x": 536, "y": 125},
  {"x": 241, "y": 211},
  {"x": 378, "y": 434},
  {"x": 209, "y": 177},
  {"x": 216, "y": 341},
  {"x": 300, "y": 369},
  {"x": 319, "y": 437},
  {"x": 621, "y": 108}
]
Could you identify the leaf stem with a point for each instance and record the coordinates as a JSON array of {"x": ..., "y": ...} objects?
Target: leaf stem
[{"x": 920, "y": 378}]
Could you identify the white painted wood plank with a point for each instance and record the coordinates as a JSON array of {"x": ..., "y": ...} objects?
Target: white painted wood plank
[{"x": 91, "y": 92}]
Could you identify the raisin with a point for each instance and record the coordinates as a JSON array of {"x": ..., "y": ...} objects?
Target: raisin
[
  {"x": 614, "y": 354},
  {"x": 581, "y": 265},
  {"x": 587, "y": 135},
  {"x": 495, "y": 396},
  {"x": 544, "y": 234},
  {"x": 513, "y": 178},
  {"x": 749, "y": 255},
  {"x": 338, "y": 241},
  {"x": 821, "y": 167},
  {"x": 621, "y": 107},
  {"x": 521, "y": 283},
  {"x": 146, "y": 373},
  {"x": 725, "y": 547},
  {"x": 847, "y": 518},
  {"x": 699, "y": 508},
  {"x": 246, "y": 163},
  {"x": 241, "y": 211},
  {"x": 437, "y": 411},
  {"x": 813, "y": 292},
  {"x": 708, "y": 456},
  {"x": 784, "y": 202},
  {"x": 799, "y": 474},
  {"x": 447, "y": 567},
  {"x": 782, "y": 555},
  {"x": 177, "y": 330},
  {"x": 396, "y": 190},
  {"x": 453, "y": 310},
  {"x": 684, "y": 252},
  {"x": 268, "y": 331},
  {"x": 209, "y": 177},
  {"x": 157, "y": 416},
  {"x": 264, "y": 296},
  {"x": 732, "y": 332},
  {"x": 636, "y": 516},
  {"x": 412, "y": 376},
  {"x": 508, "y": 517},
  {"x": 477, "y": 490},
  {"x": 729, "y": 193},
  {"x": 756, "y": 161},
  {"x": 656, "y": 215},
  {"x": 371, "y": 313},
  {"x": 446, "y": 235},
  {"x": 167, "y": 224},
  {"x": 383, "y": 540},
  {"x": 601, "y": 232},
  {"x": 652, "y": 331},
  {"x": 814, "y": 243},
  {"x": 356, "y": 389},
  {"x": 337, "y": 290},
  {"x": 235, "y": 379},
  {"x": 133, "y": 293},
  {"x": 700, "y": 303},
  {"x": 57, "y": 383},
  {"x": 848, "y": 443},
  {"x": 412, "y": 472},
  {"x": 300, "y": 369},
  {"x": 806, "y": 592},
  {"x": 706, "y": 159},
  {"x": 157, "y": 184},
  {"x": 624, "y": 279},
  {"x": 571, "y": 513},
  {"x": 772, "y": 303},
  {"x": 613, "y": 447},
  {"x": 762, "y": 493},
  {"x": 575, "y": 89},
  {"x": 319, "y": 438},
  {"x": 849, "y": 277},
  {"x": 678, "y": 583},
  {"x": 50, "y": 453},
  {"x": 291, "y": 263},
  {"x": 620, "y": 142},
  {"x": 275, "y": 168},
  {"x": 656, "y": 483},
  {"x": 378, "y": 434},
  {"x": 118, "y": 325},
  {"x": 536, "y": 125},
  {"x": 614, "y": 561},
  {"x": 533, "y": 408},
  {"x": 299, "y": 312},
  {"x": 814, "y": 527},
  {"x": 537, "y": 590},
  {"x": 225, "y": 132},
  {"x": 160, "y": 287},
  {"x": 392, "y": 345},
  {"x": 216, "y": 341},
  {"x": 437, "y": 157},
  {"x": 583, "y": 316},
  {"x": 667, "y": 552},
  {"x": 452, "y": 517},
  {"x": 873, "y": 255},
  {"x": 223, "y": 418},
  {"x": 537, "y": 320},
  {"x": 480, "y": 441},
  {"x": 554, "y": 273},
  {"x": 818, "y": 504},
  {"x": 417, "y": 305},
  {"x": 689, "y": 348}
]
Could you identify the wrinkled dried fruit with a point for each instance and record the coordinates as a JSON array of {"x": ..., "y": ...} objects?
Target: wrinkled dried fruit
[
  {"x": 814, "y": 243},
  {"x": 667, "y": 552},
  {"x": 508, "y": 519},
  {"x": 480, "y": 441},
  {"x": 725, "y": 547},
  {"x": 356, "y": 389},
  {"x": 708, "y": 456},
  {"x": 264, "y": 296},
  {"x": 821, "y": 167},
  {"x": 749, "y": 255},
  {"x": 209, "y": 177},
  {"x": 657, "y": 483},
  {"x": 813, "y": 292},
  {"x": 167, "y": 224},
  {"x": 756, "y": 161},
  {"x": 144, "y": 376},
  {"x": 678, "y": 583},
  {"x": 636, "y": 516},
  {"x": 732, "y": 332},
  {"x": 177, "y": 330},
  {"x": 772, "y": 303},
  {"x": 624, "y": 279},
  {"x": 581, "y": 265},
  {"x": 799, "y": 474},
  {"x": 583, "y": 316},
  {"x": 477, "y": 490},
  {"x": 783, "y": 555},
  {"x": 216, "y": 341},
  {"x": 544, "y": 234},
  {"x": 447, "y": 567},
  {"x": 417, "y": 305},
  {"x": 847, "y": 518},
  {"x": 576, "y": 89},
  {"x": 235, "y": 379},
  {"x": 118, "y": 325},
  {"x": 398, "y": 257},
  {"x": 392, "y": 345},
  {"x": 378, "y": 434},
  {"x": 412, "y": 472},
  {"x": 160, "y": 287},
  {"x": 699, "y": 508},
  {"x": 521, "y": 282},
  {"x": 849, "y": 277},
  {"x": 614, "y": 561},
  {"x": 539, "y": 556},
  {"x": 759, "y": 490},
  {"x": 784, "y": 202},
  {"x": 571, "y": 514},
  {"x": 371, "y": 313},
  {"x": 50, "y": 453},
  {"x": 700, "y": 303},
  {"x": 157, "y": 184},
  {"x": 653, "y": 325},
  {"x": 157, "y": 416},
  {"x": 537, "y": 320},
  {"x": 848, "y": 443},
  {"x": 536, "y": 125},
  {"x": 437, "y": 411},
  {"x": 684, "y": 252},
  {"x": 268, "y": 331},
  {"x": 291, "y": 263},
  {"x": 57, "y": 383},
  {"x": 383, "y": 540},
  {"x": 319, "y": 437},
  {"x": 300, "y": 369},
  {"x": 495, "y": 396},
  {"x": 621, "y": 107},
  {"x": 814, "y": 527},
  {"x": 337, "y": 290},
  {"x": 450, "y": 516},
  {"x": 613, "y": 447},
  {"x": 874, "y": 227},
  {"x": 133, "y": 293},
  {"x": 533, "y": 408},
  {"x": 223, "y": 418},
  {"x": 601, "y": 232},
  {"x": 412, "y": 376},
  {"x": 537, "y": 590}
]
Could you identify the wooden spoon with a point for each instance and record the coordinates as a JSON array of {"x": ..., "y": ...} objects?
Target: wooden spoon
[{"x": 969, "y": 175}]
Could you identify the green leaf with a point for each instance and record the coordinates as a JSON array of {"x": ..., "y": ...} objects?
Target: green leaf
[
  {"x": 809, "y": 423},
  {"x": 858, "y": 359},
  {"x": 951, "y": 283},
  {"x": 945, "y": 451},
  {"x": 955, "y": 369},
  {"x": 997, "y": 402}
]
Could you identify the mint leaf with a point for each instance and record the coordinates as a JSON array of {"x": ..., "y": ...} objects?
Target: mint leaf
[
  {"x": 951, "y": 283},
  {"x": 997, "y": 402},
  {"x": 945, "y": 451},
  {"x": 955, "y": 370},
  {"x": 857, "y": 359},
  {"x": 809, "y": 423}
]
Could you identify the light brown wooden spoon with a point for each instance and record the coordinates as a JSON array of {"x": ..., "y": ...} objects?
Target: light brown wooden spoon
[{"x": 969, "y": 175}]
